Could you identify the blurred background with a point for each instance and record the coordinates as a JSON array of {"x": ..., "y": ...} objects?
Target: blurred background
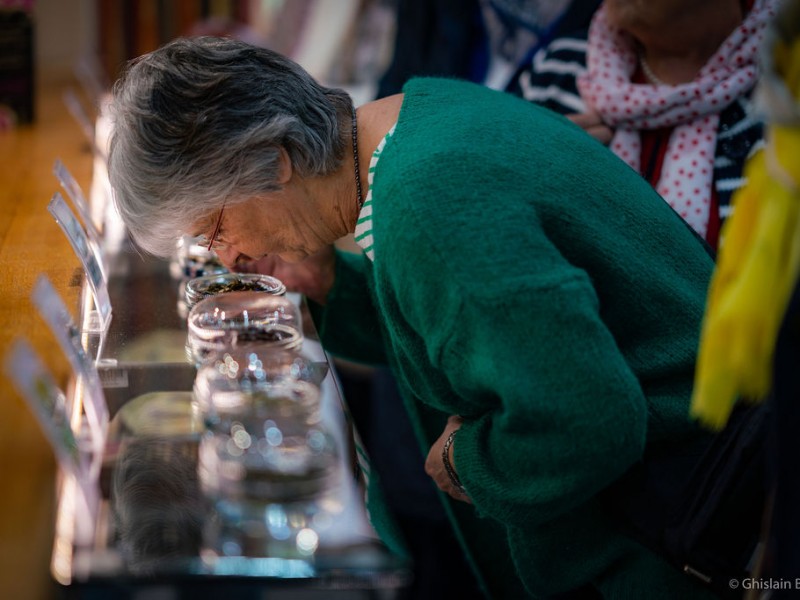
[
  {"x": 340, "y": 41},
  {"x": 57, "y": 59}
]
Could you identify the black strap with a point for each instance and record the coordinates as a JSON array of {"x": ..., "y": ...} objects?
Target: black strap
[{"x": 700, "y": 505}]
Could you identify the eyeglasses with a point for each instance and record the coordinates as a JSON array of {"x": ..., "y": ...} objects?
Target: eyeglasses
[{"x": 213, "y": 239}]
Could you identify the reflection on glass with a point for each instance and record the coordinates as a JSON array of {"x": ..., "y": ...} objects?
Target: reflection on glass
[
  {"x": 158, "y": 508},
  {"x": 266, "y": 460}
]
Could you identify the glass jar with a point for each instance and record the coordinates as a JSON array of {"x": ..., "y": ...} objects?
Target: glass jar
[
  {"x": 202, "y": 287},
  {"x": 225, "y": 322},
  {"x": 266, "y": 460},
  {"x": 194, "y": 260}
]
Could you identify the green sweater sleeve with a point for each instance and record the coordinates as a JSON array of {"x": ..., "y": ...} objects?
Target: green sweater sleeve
[
  {"x": 348, "y": 325},
  {"x": 568, "y": 415}
]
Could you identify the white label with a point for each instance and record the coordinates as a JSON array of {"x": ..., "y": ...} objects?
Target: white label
[
  {"x": 75, "y": 194},
  {"x": 86, "y": 253},
  {"x": 53, "y": 310},
  {"x": 47, "y": 402},
  {"x": 77, "y": 111},
  {"x": 112, "y": 377}
]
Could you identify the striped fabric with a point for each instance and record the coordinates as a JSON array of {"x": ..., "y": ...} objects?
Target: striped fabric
[
  {"x": 363, "y": 233},
  {"x": 549, "y": 78}
]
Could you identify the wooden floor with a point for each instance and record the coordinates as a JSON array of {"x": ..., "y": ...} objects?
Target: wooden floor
[{"x": 32, "y": 243}]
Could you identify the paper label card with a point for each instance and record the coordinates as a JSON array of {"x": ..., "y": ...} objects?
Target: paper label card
[
  {"x": 75, "y": 194},
  {"x": 75, "y": 108},
  {"x": 89, "y": 72},
  {"x": 88, "y": 256},
  {"x": 55, "y": 313},
  {"x": 47, "y": 402}
]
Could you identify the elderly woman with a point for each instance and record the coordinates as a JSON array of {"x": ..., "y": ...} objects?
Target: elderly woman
[
  {"x": 667, "y": 84},
  {"x": 538, "y": 302}
]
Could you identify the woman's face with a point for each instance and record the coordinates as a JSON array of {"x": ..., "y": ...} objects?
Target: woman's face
[
  {"x": 275, "y": 223},
  {"x": 285, "y": 223}
]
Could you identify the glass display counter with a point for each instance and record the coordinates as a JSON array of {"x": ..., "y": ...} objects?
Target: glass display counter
[{"x": 150, "y": 534}]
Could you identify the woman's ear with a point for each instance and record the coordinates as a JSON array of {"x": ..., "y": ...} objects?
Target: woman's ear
[{"x": 284, "y": 167}]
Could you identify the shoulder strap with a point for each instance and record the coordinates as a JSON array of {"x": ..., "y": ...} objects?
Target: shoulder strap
[{"x": 700, "y": 505}]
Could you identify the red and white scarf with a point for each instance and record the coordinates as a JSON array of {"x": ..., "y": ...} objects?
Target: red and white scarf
[{"x": 692, "y": 109}]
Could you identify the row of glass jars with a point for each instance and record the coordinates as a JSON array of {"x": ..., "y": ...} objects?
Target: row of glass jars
[{"x": 266, "y": 459}]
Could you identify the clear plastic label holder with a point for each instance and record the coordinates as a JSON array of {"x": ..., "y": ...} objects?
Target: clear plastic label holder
[
  {"x": 80, "y": 115},
  {"x": 55, "y": 313},
  {"x": 89, "y": 73},
  {"x": 48, "y": 405},
  {"x": 80, "y": 202},
  {"x": 98, "y": 319}
]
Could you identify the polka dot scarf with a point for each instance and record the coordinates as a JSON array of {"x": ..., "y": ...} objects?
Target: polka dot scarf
[{"x": 692, "y": 109}]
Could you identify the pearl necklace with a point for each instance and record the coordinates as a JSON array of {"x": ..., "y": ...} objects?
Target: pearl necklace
[{"x": 648, "y": 73}]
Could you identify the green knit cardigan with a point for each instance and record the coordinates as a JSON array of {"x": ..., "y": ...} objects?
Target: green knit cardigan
[{"x": 529, "y": 281}]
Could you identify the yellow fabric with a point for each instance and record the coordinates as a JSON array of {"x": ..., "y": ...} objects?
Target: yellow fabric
[{"x": 756, "y": 271}]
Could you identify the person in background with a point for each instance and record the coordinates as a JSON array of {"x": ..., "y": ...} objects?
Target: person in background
[
  {"x": 666, "y": 84},
  {"x": 516, "y": 29},
  {"x": 537, "y": 301},
  {"x": 484, "y": 41},
  {"x": 442, "y": 38}
]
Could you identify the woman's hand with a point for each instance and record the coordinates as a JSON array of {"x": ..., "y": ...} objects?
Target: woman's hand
[
  {"x": 434, "y": 464},
  {"x": 313, "y": 276},
  {"x": 593, "y": 125}
]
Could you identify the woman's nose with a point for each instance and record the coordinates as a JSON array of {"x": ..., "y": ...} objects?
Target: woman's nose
[{"x": 227, "y": 256}]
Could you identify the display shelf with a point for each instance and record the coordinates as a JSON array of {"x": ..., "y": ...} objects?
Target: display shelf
[{"x": 148, "y": 527}]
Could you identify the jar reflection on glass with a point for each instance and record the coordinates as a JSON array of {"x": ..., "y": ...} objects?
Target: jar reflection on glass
[
  {"x": 266, "y": 460},
  {"x": 156, "y": 505}
]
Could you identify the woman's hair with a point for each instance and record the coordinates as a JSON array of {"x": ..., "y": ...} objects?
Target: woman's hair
[{"x": 199, "y": 123}]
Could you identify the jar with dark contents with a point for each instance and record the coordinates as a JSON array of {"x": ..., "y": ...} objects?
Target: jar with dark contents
[
  {"x": 225, "y": 322},
  {"x": 202, "y": 287}
]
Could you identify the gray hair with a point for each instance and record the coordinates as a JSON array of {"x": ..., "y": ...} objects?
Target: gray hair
[{"x": 200, "y": 122}]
